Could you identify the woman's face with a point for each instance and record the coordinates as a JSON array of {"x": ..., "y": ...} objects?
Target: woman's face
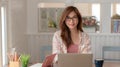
[{"x": 71, "y": 20}]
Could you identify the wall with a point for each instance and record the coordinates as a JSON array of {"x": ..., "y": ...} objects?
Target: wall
[
  {"x": 17, "y": 25},
  {"x": 36, "y": 41},
  {"x": 83, "y": 11},
  {"x": 98, "y": 41}
]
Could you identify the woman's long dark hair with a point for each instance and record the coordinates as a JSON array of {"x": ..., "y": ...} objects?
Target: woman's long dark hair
[{"x": 65, "y": 32}]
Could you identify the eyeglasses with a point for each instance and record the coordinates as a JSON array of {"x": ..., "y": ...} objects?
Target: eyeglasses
[{"x": 74, "y": 18}]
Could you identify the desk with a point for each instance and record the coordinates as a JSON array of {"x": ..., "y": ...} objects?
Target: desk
[
  {"x": 106, "y": 64},
  {"x": 36, "y": 65}
]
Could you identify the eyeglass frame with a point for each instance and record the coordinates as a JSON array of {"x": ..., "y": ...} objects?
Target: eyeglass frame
[{"x": 74, "y": 18}]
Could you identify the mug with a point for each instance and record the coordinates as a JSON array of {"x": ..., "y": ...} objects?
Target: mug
[
  {"x": 14, "y": 64},
  {"x": 99, "y": 62}
]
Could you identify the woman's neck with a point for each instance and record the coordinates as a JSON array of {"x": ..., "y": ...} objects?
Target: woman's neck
[
  {"x": 73, "y": 32},
  {"x": 75, "y": 36}
]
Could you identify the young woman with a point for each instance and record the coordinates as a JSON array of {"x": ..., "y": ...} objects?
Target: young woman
[{"x": 71, "y": 38}]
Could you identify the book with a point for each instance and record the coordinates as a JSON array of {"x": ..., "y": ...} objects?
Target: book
[
  {"x": 48, "y": 60},
  {"x": 116, "y": 26}
]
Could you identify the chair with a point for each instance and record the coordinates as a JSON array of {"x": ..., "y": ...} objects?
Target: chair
[{"x": 44, "y": 51}]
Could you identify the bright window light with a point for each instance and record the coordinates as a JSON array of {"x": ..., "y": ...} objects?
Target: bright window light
[
  {"x": 111, "y": 10},
  {"x": 4, "y": 39},
  {"x": 96, "y": 11},
  {"x": 118, "y": 9}
]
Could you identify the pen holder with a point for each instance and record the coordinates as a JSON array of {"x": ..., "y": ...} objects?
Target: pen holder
[{"x": 14, "y": 64}]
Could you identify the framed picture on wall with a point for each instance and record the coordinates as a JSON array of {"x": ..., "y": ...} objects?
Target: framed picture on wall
[{"x": 49, "y": 19}]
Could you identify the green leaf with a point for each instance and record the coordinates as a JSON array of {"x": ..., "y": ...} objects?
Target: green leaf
[{"x": 24, "y": 58}]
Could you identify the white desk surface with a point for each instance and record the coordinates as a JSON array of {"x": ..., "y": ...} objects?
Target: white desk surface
[
  {"x": 106, "y": 64},
  {"x": 37, "y": 65}
]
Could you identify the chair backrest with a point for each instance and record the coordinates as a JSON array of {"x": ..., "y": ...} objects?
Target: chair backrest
[{"x": 44, "y": 51}]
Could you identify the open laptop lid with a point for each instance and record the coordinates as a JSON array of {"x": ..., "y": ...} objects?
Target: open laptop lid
[{"x": 74, "y": 60}]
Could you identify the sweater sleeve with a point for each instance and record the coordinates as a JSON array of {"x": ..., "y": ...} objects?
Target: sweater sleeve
[
  {"x": 87, "y": 44},
  {"x": 56, "y": 43}
]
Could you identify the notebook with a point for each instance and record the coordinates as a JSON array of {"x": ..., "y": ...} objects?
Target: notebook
[{"x": 74, "y": 60}]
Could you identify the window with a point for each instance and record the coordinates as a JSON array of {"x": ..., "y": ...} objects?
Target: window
[
  {"x": 49, "y": 15},
  {"x": 4, "y": 35},
  {"x": 96, "y": 11},
  {"x": 90, "y": 13},
  {"x": 115, "y": 21},
  {"x": 118, "y": 9},
  {"x": 115, "y": 9}
]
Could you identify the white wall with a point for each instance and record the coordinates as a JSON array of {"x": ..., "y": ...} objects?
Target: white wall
[
  {"x": 17, "y": 25},
  {"x": 98, "y": 41}
]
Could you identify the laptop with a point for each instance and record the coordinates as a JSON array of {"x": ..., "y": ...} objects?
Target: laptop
[{"x": 74, "y": 60}]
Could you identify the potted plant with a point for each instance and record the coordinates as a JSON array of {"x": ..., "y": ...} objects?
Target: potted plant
[{"x": 24, "y": 58}]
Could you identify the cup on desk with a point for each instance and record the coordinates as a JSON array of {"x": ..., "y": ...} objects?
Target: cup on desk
[
  {"x": 14, "y": 64},
  {"x": 99, "y": 62}
]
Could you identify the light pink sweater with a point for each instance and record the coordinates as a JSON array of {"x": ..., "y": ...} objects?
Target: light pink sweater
[{"x": 59, "y": 47}]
